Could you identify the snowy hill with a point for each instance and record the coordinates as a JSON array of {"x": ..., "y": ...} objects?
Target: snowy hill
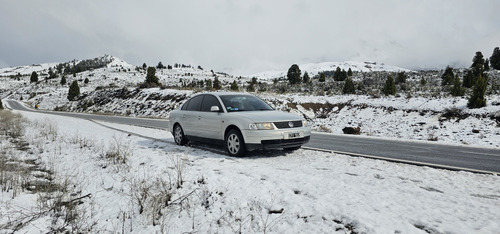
[{"x": 315, "y": 68}]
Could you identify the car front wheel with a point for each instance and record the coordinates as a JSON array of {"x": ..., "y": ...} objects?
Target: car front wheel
[
  {"x": 235, "y": 145},
  {"x": 179, "y": 137}
]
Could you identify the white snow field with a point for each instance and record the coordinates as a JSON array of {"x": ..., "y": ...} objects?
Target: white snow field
[{"x": 266, "y": 192}]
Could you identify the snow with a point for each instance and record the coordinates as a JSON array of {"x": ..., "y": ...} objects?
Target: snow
[
  {"x": 315, "y": 68},
  {"x": 308, "y": 191}
]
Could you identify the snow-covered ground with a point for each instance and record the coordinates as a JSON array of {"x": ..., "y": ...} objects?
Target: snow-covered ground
[{"x": 270, "y": 191}]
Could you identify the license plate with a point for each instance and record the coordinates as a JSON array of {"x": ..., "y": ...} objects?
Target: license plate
[{"x": 293, "y": 134}]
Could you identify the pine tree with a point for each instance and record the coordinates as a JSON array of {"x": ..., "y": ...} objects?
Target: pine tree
[
  {"x": 322, "y": 77},
  {"x": 401, "y": 78},
  {"x": 477, "y": 99},
  {"x": 495, "y": 59},
  {"x": 63, "y": 80},
  {"x": 469, "y": 79},
  {"x": 478, "y": 64},
  {"x": 348, "y": 87},
  {"x": 457, "y": 89},
  {"x": 217, "y": 85},
  {"x": 293, "y": 74},
  {"x": 486, "y": 64},
  {"x": 448, "y": 77},
  {"x": 349, "y": 72},
  {"x": 306, "y": 79},
  {"x": 34, "y": 77},
  {"x": 423, "y": 81},
  {"x": 390, "y": 86},
  {"x": 234, "y": 86},
  {"x": 74, "y": 90},
  {"x": 151, "y": 78},
  {"x": 160, "y": 65},
  {"x": 144, "y": 66}
]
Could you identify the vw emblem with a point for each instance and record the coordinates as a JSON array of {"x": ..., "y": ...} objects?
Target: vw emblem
[{"x": 290, "y": 124}]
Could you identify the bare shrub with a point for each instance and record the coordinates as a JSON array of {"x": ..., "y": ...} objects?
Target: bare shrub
[
  {"x": 118, "y": 151},
  {"x": 11, "y": 124}
]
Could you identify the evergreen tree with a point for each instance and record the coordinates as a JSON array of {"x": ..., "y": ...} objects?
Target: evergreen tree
[
  {"x": 477, "y": 99},
  {"x": 217, "y": 85},
  {"x": 495, "y": 59},
  {"x": 208, "y": 84},
  {"x": 457, "y": 89},
  {"x": 423, "y": 81},
  {"x": 293, "y": 74},
  {"x": 234, "y": 86},
  {"x": 390, "y": 86},
  {"x": 63, "y": 80},
  {"x": 340, "y": 74},
  {"x": 144, "y": 66},
  {"x": 448, "y": 77},
  {"x": 349, "y": 72},
  {"x": 469, "y": 79},
  {"x": 322, "y": 77},
  {"x": 74, "y": 90},
  {"x": 306, "y": 79},
  {"x": 348, "y": 87},
  {"x": 401, "y": 78},
  {"x": 34, "y": 77},
  {"x": 151, "y": 78},
  {"x": 160, "y": 65},
  {"x": 478, "y": 64},
  {"x": 52, "y": 74},
  {"x": 486, "y": 64}
]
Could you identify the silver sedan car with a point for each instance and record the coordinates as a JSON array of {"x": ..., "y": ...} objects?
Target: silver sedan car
[{"x": 241, "y": 122}]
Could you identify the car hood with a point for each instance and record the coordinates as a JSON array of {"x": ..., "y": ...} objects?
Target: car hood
[{"x": 265, "y": 116}]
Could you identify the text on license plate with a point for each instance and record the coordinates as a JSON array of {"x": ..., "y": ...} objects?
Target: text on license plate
[{"x": 293, "y": 134}]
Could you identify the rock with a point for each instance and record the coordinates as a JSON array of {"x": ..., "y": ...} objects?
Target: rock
[{"x": 351, "y": 130}]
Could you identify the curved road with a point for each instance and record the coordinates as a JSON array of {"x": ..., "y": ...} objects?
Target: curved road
[{"x": 454, "y": 157}]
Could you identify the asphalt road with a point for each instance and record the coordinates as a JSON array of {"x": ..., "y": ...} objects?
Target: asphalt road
[{"x": 454, "y": 157}]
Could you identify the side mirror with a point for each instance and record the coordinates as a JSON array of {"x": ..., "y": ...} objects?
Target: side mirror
[{"x": 214, "y": 109}]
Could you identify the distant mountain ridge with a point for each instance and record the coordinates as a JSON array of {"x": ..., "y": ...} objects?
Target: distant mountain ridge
[{"x": 315, "y": 68}]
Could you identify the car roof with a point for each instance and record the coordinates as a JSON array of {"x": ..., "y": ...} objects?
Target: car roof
[{"x": 226, "y": 93}]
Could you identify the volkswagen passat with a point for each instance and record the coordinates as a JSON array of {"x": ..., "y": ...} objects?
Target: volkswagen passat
[{"x": 241, "y": 122}]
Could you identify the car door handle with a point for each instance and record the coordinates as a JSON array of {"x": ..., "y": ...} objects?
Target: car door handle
[{"x": 199, "y": 117}]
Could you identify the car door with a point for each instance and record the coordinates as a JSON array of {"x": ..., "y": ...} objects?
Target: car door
[
  {"x": 190, "y": 117},
  {"x": 210, "y": 121}
]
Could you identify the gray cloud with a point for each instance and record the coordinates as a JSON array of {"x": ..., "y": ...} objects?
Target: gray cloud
[{"x": 249, "y": 36}]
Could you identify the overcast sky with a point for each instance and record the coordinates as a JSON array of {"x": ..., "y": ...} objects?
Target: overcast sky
[{"x": 249, "y": 36}]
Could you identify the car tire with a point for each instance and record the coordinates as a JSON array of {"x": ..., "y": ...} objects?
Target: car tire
[
  {"x": 179, "y": 136},
  {"x": 235, "y": 144}
]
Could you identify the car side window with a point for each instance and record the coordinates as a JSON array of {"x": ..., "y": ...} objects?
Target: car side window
[
  {"x": 208, "y": 102},
  {"x": 185, "y": 105},
  {"x": 195, "y": 103}
]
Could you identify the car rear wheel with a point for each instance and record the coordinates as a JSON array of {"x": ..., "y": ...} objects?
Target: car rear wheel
[
  {"x": 235, "y": 145},
  {"x": 179, "y": 137}
]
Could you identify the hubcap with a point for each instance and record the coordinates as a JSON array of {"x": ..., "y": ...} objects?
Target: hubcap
[
  {"x": 178, "y": 135},
  {"x": 233, "y": 143}
]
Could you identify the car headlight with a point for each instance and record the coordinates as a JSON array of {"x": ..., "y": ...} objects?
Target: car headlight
[
  {"x": 261, "y": 126},
  {"x": 306, "y": 123}
]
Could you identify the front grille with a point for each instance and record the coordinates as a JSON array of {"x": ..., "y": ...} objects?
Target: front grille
[{"x": 286, "y": 124}]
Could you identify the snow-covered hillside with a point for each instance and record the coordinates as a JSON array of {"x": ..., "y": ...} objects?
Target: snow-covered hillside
[{"x": 314, "y": 68}]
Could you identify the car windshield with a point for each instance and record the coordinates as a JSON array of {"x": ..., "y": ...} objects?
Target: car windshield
[{"x": 244, "y": 103}]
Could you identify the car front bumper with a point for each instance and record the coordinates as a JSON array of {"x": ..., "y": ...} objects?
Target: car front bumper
[{"x": 275, "y": 139}]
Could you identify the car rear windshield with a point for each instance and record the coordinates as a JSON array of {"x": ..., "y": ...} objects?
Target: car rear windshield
[{"x": 244, "y": 103}]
